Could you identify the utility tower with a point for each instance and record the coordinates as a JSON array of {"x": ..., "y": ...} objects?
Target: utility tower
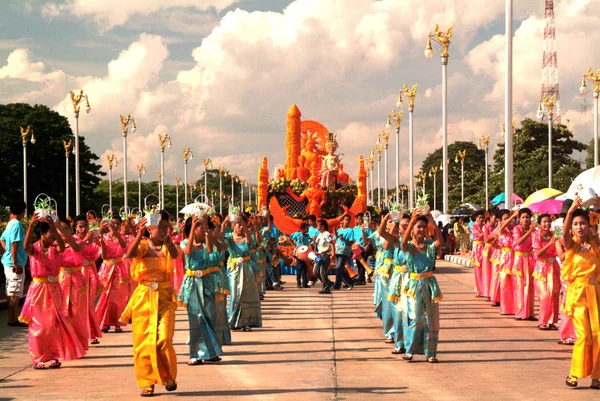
[{"x": 550, "y": 61}]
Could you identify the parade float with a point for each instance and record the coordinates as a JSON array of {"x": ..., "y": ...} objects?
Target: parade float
[{"x": 313, "y": 180}]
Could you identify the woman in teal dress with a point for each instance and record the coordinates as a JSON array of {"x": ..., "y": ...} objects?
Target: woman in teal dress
[
  {"x": 244, "y": 305},
  {"x": 422, "y": 291},
  {"x": 398, "y": 276},
  {"x": 198, "y": 292},
  {"x": 383, "y": 267},
  {"x": 221, "y": 321},
  {"x": 375, "y": 239}
]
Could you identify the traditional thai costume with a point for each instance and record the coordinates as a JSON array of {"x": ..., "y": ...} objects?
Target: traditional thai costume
[
  {"x": 396, "y": 297},
  {"x": 221, "y": 323},
  {"x": 198, "y": 292},
  {"x": 523, "y": 266},
  {"x": 51, "y": 334},
  {"x": 152, "y": 312},
  {"x": 486, "y": 262},
  {"x": 244, "y": 305},
  {"x": 547, "y": 279},
  {"x": 89, "y": 254},
  {"x": 115, "y": 280},
  {"x": 477, "y": 258},
  {"x": 423, "y": 295},
  {"x": 377, "y": 292},
  {"x": 581, "y": 270},
  {"x": 505, "y": 267},
  {"x": 74, "y": 290},
  {"x": 384, "y": 266}
]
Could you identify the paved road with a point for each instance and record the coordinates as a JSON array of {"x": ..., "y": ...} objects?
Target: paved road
[{"x": 317, "y": 347}]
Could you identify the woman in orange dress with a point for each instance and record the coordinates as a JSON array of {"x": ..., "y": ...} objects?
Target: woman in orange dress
[{"x": 152, "y": 307}]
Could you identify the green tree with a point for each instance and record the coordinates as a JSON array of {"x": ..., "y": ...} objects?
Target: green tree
[
  {"x": 589, "y": 160},
  {"x": 531, "y": 159},
  {"x": 474, "y": 175},
  {"x": 45, "y": 158}
]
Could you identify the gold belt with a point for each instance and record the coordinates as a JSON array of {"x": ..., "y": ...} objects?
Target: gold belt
[
  {"x": 519, "y": 253},
  {"x": 592, "y": 280},
  {"x": 86, "y": 263},
  {"x": 421, "y": 276},
  {"x": 476, "y": 242},
  {"x": 401, "y": 268},
  {"x": 202, "y": 273},
  {"x": 232, "y": 261},
  {"x": 47, "y": 280},
  {"x": 156, "y": 285},
  {"x": 69, "y": 270},
  {"x": 506, "y": 249},
  {"x": 388, "y": 260},
  {"x": 113, "y": 261}
]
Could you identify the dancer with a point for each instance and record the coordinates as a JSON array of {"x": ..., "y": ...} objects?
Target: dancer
[
  {"x": 462, "y": 236},
  {"x": 113, "y": 275},
  {"x": 325, "y": 248},
  {"x": 566, "y": 330},
  {"x": 298, "y": 239},
  {"x": 152, "y": 307},
  {"x": 421, "y": 289},
  {"x": 244, "y": 305},
  {"x": 524, "y": 264},
  {"x": 546, "y": 273},
  {"x": 361, "y": 237},
  {"x": 505, "y": 267},
  {"x": 90, "y": 252},
  {"x": 581, "y": 270},
  {"x": 51, "y": 334},
  {"x": 477, "y": 252},
  {"x": 487, "y": 256},
  {"x": 198, "y": 292},
  {"x": 217, "y": 259},
  {"x": 343, "y": 252}
]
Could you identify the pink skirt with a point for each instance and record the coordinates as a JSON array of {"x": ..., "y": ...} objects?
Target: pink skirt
[
  {"x": 507, "y": 284},
  {"x": 476, "y": 259},
  {"x": 90, "y": 275},
  {"x": 51, "y": 334},
  {"x": 113, "y": 300},
  {"x": 524, "y": 285},
  {"x": 74, "y": 290},
  {"x": 547, "y": 280},
  {"x": 179, "y": 270}
]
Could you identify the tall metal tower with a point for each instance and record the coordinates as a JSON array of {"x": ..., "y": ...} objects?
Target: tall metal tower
[{"x": 550, "y": 61}]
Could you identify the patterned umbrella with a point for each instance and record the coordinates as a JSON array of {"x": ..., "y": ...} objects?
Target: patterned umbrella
[{"x": 542, "y": 195}]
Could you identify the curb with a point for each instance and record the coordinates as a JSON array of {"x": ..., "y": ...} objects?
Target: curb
[{"x": 459, "y": 260}]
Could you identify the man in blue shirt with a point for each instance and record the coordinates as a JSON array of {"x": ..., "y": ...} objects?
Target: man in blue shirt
[
  {"x": 343, "y": 253},
  {"x": 361, "y": 237},
  {"x": 14, "y": 260},
  {"x": 313, "y": 230},
  {"x": 301, "y": 238}
]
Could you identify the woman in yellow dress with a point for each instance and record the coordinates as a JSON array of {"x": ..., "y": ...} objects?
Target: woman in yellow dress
[
  {"x": 152, "y": 307},
  {"x": 581, "y": 270}
]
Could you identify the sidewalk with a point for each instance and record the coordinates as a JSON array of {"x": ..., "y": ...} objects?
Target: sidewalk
[{"x": 316, "y": 347}]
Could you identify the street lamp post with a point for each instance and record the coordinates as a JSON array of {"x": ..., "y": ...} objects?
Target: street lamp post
[
  {"x": 460, "y": 157},
  {"x": 508, "y": 103},
  {"x": 76, "y": 99},
  {"x": 163, "y": 139},
  {"x": 221, "y": 172},
  {"x": 25, "y": 134},
  {"x": 160, "y": 178},
  {"x": 423, "y": 177},
  {"x": 397, "y": 120},
  {"x": 186, "y": 153},
  {"x": 125, "y": 122},
  {"x": 141, "y": 170},
  {"x": 112, "y": 161},
  {"x": 242, "y": 184},
  {"x": 67, "y": 146},
  {"x": 385, "y": 136},
  {"x": 403, "y": 189},
  {"x": 192, "y": 186},
  {"x": 594, "y": 77},
  {"x": 483, "y": 144},
  {"x": 378, "y": 149},
  {"x": 443, "y": 39},
  {"x": 234, "y": 178},
  {"x": 206, "y": 162},
  {"x": 410, "y": 95},
  {"x": 177, "y": 182},
  {"x": 547, "y": 106},
  {"x": 371, "y": 160},
  {"x": 433, "y": 173}
]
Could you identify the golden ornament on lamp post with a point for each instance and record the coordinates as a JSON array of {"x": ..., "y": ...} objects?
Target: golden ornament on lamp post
[
  {"x": 125, "y": 123},
  {"x": 221, "y": 172},
  {"x": 112, "y": 161},
  {"x": 206, "y": 162},
  {"x": 593, "y": 77},
  {"x": 163, "y": 140},
  {"x": 397, "y": 119},
  {"x": 177, "y": 182},
  {"x": 433, "y": 173},
  {"x": 25, "y": 134},
  {"x": 546, "y": 107},
  {"x": 443, "y": 39},
  {"x": 187, "y": 154},
  {"x": 378, "y": 149},
  {"x": 483, "y": 144},
  {"x": 410, "y": 94},
  {"x": 385, "y": 137},
  {"x": 141, "y": 170},
  {"x": 460, "y": 157},
  {"x": 76, "y": 100},
  {"x": 67, "y": 146}
]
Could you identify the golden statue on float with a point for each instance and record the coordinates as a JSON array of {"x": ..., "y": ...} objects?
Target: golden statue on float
[{"x": 311, "y": 158}]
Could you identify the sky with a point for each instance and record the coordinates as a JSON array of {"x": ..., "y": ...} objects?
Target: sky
[{"x": 220, "y": 75}]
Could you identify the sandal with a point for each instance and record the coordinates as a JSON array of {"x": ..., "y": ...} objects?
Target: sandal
[
  {"x": 398, "y": 351},
  {"x": 147, "y": 391},
  {"x": 543, "y": 327},
  {"x": 566, "y": 342},
  {"x": 595, "y": 386},
  {"x": 95, "y": 341},
  {"x": 54, "y": 364},
  {"x": 432, "y": 359},
  {"x": 552, "y": 327},
  {"x": 118, "y": 329},
  {"x": 105, "y": 329},
  {"x": 407, "y": 357},
  {"x": 389, "y": 341},
  {"x": 246, "y": 329},
  {"x": 171, "y": 385},
  {"x": 496, "y": 304},
  {"x": 215, "y": 359},
  {"x": 571, "y": 381},
  {"x": 194, "y": 362},
  {"x": 39, "y": 366}
]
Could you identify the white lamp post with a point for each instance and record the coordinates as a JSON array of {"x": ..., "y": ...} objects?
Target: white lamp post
[
  {"x": 206, "y": 162},
  {"x": 141, "y": 170},
  {"x": 187, "y": 153},
  {"x": 546, "y": 107},
  {"x": 410, "y": 95},
  {"x": 508, "y": 139},
  {"x": 221, "y": 172},
  {"x": 177, "y": 182},
  {"x": 483, "y": 144},
  {"x": 76, "y": 99},
  {"x": 163, "y": 140},
  {"x": 125, "y": 122},
  {"x": 460, "y": 157},
  {"x": 25, "y": 133},
  {"x": 67, "y": 146},
  {"x": 594, "y": 77},
  {"x": 112, "y": 161},
  {"x": 443, "y": 39},
  {"x": 433, "y": 173},
  {"x": 378, "y": 149}
]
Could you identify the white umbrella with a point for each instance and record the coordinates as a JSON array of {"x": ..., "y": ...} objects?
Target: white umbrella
[
  {"x": 444, "y": 218},
  {"x": 586, "y": 185},
  {"x": 196, "y": 208}
]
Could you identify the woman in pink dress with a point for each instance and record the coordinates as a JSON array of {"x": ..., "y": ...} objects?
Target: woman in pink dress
[
  {"x": 524, "y": 265},
  {"x": 90, "y": 252},
  {"x": 72, "y": 283},
  {"x": 51, "y": 334},
  {"x": 546, "y": 273},
  {"x": 179, "y": 262},
  {"x": 128, "y": 234},
  {"x": 113, "y": 275},
  {"x": 486, "y": 256},
  {"x": 477, "y": 252},
  {"x": 507, "y": 281}
]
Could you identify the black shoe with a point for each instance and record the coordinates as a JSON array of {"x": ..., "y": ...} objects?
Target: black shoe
[
  {"x": 360, "y": 283},
  {"x": 350, "y": 287},
  {"x": 277, "y": 288},
  {"x": 269, "y": 288},
  {"x": 305, "y": 286},
  {"x": 298, "y": 285},
  {"x": 369, "y": 280},
  {"x": 324, "y": 292}
]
